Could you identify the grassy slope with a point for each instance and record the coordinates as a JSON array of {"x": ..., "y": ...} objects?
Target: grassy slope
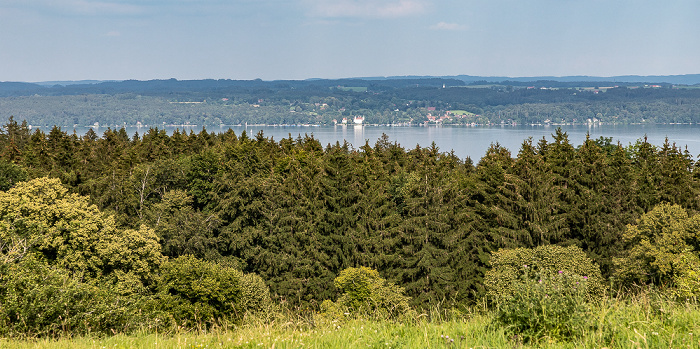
[{"x": 642, "y": 322}]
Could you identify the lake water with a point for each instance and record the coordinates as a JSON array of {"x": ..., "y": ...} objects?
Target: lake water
[{"x": 469, "y": 141}]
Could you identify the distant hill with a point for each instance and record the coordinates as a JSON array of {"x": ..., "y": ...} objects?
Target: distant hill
[
  {"x": 208, "y": 86},
  {"x": 9, "y": 89},
  {"x": 72, "y": 82},
  {"x": 381, "y": 100},
  {"x": 164, "y": 87},
  {"x": 687, "y": 79}
]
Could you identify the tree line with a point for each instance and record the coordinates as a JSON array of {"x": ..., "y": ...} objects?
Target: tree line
[{"x": 296, "y": 212}]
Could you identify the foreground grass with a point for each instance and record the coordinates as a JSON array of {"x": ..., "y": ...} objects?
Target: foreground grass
[
  {"x": 352, "y": 334},
  {"x": 642, "y": 322}
]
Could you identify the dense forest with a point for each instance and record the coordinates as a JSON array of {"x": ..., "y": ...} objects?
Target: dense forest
[
  {"x": 296, "y": 213},
  {"x": 324, "y": 102}
]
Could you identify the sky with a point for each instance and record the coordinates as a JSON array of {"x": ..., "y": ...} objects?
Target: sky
[{"x": 57, "y": 40}]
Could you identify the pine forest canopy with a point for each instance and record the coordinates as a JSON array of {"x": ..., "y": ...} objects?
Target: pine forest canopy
[{"x": 297, "y": 214}]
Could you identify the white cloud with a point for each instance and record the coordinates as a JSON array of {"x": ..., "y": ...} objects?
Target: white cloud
[
  {"x": 113, "y": 33},
  {"x": 448, "y": 26},
  {"x": 366, "y": 8}
]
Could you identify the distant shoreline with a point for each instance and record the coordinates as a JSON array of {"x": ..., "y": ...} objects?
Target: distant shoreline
[{"x": 186, "y": 126}]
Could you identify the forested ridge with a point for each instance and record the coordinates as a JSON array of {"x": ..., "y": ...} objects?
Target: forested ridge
[
  {"x": 297, "y": 212},
  {"x": 213, "y": 103}
]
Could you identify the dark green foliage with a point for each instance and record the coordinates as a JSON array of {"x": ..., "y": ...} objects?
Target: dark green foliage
[
  {"x": 182, "y": 229},
  {"x": 10, "y": 174}
]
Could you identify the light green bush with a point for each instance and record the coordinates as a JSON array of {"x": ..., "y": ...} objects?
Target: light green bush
[
  {"x": 39, "y": 217},
  {"x": 555, "y": 307},
  {"x": 545, "y": 292},
  {"x": 200, "y": 293},
  {"x": 662, "y": 249},
  {"x": 686, "y": 280},
  {"x": 39, "y": 300},
  {"x": 365, "y": 293},
  {"x": 66, "y": 268},
  {"x": 508, "y": 266},
  {"x": 255, "y": 295}
]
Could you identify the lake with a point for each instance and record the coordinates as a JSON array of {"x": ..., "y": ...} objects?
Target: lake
[{"x": 468, "y": 141}]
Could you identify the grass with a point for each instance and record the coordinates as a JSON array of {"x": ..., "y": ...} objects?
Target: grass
[
  {"x": 461, "y": 112},
  {"x": 646, "y": 320},
  {"x": 351, "y": 334}
]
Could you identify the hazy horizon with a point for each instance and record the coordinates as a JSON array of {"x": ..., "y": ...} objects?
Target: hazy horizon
[{"x": 71, "y": 40}]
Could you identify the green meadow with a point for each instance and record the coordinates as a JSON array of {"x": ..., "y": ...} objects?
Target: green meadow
[
  {"x": 645, "y": 320},
  {"x": 461, "y": 112}
]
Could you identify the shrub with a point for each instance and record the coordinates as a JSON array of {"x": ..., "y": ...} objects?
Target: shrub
[
  {"x": 508, "y": 266},
  {"x": 686, "y": 280},
  {"x": 66, "y": 268},
  {"x": 662, "y": 249},
  {"x": 548, "y": 306},
  {"x": 543, "y": 292},
  {"x": 365, "y": 293},
  {"x": 39, "y": 300},
  {"x": 197, "y": 292},
  {"x": 255, "y": 295},
  {"x": 39, "y": 217}
]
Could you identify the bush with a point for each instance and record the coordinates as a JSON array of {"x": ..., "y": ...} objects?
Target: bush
[
  {"x": 39, "y": 300},
  {"x": 366, "y": 294},
  {"x": 39, "y": 217},
  {"x": 200, "y": 293},
  {"x": 509, "y": 267},
  {"x": 686, "y": 280},
  {"x": 543, "y": 292},
  {"x": 547, "y": 306},
  {"x": 662, "y": 249}
]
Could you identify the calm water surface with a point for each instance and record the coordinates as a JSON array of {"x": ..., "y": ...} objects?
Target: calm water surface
[{"x": 469, "y": 141}]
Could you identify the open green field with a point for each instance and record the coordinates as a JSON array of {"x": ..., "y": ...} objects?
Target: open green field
[
  {"x": 353, "y": 89},
  {"x": 460, "y": 112}
]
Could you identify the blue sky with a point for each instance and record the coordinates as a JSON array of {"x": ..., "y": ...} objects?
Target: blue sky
[{"x": 46, "y": 40}]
